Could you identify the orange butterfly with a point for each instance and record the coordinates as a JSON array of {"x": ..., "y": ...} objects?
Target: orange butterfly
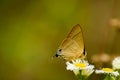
[{"x": 72, "y": 46}]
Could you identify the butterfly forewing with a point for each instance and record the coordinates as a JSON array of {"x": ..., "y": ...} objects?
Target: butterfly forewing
[{"x": 77, "y": 35}]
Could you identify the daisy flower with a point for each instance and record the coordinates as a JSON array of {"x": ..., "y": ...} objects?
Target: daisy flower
[
  {"x": 107, "y": 71},
  {"x": 116, "y": 63},
  {"x": 80, "y": 65}
]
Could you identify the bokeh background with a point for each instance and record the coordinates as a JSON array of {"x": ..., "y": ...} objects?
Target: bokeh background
[{"x": 31, "y": 31}]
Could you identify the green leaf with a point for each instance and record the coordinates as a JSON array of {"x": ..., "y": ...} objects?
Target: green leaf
[{"x": 109, "y": 77}]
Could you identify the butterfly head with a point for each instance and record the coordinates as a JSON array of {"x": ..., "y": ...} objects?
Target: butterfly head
[{"x": 58, "y": 53}]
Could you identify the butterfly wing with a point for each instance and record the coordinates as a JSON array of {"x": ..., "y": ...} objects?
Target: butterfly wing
[
  {"x": 77, "y": 35},
  {"x": 73, "y": 46}
]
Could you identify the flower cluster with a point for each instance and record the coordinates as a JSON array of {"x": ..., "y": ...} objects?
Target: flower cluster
[{"x": 83, "y": 68}]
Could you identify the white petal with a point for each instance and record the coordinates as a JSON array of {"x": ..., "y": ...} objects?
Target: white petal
[
  {"x": 99, "y": 71},
  {"x": 90, "y": 67},
  {"x": 87, "y": 72},
  {"x": 76, "y": 72},
  {"x": 116, "y": 63},
  {"x": 73, "y": 61},
  {"x": 115, "y": 73}
]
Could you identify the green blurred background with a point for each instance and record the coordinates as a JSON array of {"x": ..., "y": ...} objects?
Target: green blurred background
[{"x": 31, "y": 31}]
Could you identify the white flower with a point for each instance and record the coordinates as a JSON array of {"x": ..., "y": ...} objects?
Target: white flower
[
  {"x": 107, "y": 71},
  {"x": 78, "y": 64},
  {"x": 88, "y": 72},
  {"x": 116, "y": 63}
]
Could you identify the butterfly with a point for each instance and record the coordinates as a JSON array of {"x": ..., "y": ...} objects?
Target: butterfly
[{"x": 72, "y": 47}]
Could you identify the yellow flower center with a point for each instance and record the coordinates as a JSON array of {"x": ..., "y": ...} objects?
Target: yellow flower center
[
  {"x": 107, "y": 69},
  {"x": 81, "y": 65}
]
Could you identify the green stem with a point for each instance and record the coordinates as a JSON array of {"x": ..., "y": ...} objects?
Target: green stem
[
  {"x": 109, "y": 77},
  {"x": 80, "y": 76},
  {"x": 118, "y": 78}
]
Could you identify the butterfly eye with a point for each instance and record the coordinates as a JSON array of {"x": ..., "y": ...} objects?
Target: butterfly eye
[{"x": 60, "y": 50}]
